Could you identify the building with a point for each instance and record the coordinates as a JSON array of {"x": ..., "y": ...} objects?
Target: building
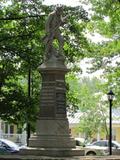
[
  {"x": 10, "y": 132},
  {"x": 74, "y": 123}
]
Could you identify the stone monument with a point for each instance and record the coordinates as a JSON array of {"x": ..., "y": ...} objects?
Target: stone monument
[{"x": 52, "y": 136}]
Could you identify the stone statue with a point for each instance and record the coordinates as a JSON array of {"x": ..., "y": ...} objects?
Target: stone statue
[{"x": 52, "y": 29}]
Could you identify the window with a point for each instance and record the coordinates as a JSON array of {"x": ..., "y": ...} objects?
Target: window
[
  {"x": 97, "y": 143},
  {"x": 11, "y": 129},
  {"x": 104, "y": 143},
  {"x": 101, "y": 143},
  {"x": 114, "y": 145},
  {"x": 113, "y": 134},
  {"x": 6, "y": 127}
]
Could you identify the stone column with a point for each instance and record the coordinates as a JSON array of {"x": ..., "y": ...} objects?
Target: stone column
[{"x": 52, "y": 124}]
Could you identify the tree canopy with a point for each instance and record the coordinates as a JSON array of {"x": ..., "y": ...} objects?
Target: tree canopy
[
  {"x": 22, "y": 50},
  {"x": 105, "y": 21}
]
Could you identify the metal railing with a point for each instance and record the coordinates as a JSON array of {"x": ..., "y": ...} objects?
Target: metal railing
[{"x": 20, "y": 139}]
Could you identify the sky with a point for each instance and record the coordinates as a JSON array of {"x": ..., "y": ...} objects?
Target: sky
[
  {"x": 65, "y": 2},
  {"x": 55, "y": 2}
]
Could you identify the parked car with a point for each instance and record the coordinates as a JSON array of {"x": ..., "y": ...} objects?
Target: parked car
[
  {"x": 7, "y": 146},
  {"x": 101, "y": 147},
  {"x": 80, "y": 141}
]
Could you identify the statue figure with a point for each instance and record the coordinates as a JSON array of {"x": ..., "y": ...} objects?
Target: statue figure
[{"x": 52, "y": 26}]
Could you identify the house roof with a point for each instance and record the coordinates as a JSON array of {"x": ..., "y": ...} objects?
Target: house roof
[{"x": 75, "y": 118}]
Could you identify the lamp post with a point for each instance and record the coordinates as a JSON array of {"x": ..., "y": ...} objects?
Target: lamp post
[{"x": 110, "y": 99}]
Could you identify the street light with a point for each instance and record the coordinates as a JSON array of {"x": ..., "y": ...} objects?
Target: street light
[{"x": 110, "y": 98}]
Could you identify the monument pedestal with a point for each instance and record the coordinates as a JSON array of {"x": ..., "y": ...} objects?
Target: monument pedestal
[
  {"x": 52, "y": 133},
  {"x": 52, "y": 136}
]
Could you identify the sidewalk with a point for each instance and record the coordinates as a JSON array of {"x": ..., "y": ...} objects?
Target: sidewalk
[{"x": 19, "y": 157}]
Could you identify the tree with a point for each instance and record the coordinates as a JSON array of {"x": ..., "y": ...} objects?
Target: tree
[
  {"x": 22, "y": 49},
  {"x": 85, "y": 97},
  {"x": 105, "y": 21},
  {"x": 16, "y": 57}
]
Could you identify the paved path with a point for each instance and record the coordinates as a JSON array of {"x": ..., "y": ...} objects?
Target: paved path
[{"x": 19, "y": 157}]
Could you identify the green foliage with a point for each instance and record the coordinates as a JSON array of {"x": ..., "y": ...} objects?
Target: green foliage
[
  {"x": 85, "y": 97},
  {"x": 72, "y": 92},
  {"x": 20, "y": 52},
  {"x": 22, "y": 49},
  {"x": 105, "y": 20}
]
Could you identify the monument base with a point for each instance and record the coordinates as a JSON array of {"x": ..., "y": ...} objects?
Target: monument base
[
  {"x": 52, "y": 152},
  {"x": 52, "y": 142},
  {"x": 52, "y": 133},
  {"x": 52, "y": 139}
]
